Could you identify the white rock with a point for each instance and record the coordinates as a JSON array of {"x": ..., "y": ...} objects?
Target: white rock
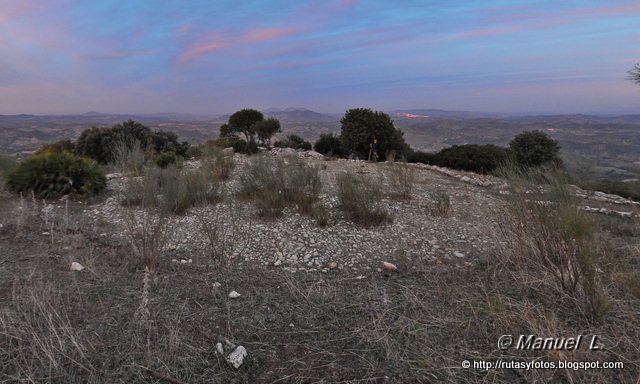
[
  {"x": 228, "y": 151},
  {"x": 76, "y": 266},
  {"x": 332, "y": 265},
  {"x": 277, "y": 263},
  {"x": 234, "y": 295},
  {"x": 216, "y": 285},
  {"x": 389, "y": 266},
  {"x": 236, "y": 358},
  {"x": 291, "y": 325},
  {"x": 174, "y": 261},
  {"x": 458, "y": 254},
  {"x": 190, "y": 261},
  {"x": 183, "y": 261},
  {"x": 219, "y": 348}
]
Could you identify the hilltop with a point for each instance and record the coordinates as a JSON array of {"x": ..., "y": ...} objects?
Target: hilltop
[{"x": 316, "y": 303}]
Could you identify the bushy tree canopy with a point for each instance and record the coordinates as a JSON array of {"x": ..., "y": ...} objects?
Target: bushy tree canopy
[
  {"x": 534, "y": 148},
  {"x": 265, "y": 129},
  {"x": 360, "y": 126},
  {"x": 244, "y": 122},
  {"x": 250, "y": 123},
  {"x": 634, "y": 73}
]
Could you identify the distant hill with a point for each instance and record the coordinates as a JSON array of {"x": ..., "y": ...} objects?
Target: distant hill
[{"x": 298, "y": 115}]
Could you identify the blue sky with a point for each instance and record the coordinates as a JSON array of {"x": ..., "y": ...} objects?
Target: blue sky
[{"x": 67, "y": 56}]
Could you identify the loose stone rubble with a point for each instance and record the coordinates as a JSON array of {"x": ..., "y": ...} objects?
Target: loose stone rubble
[{"x": 295, "y": 243}]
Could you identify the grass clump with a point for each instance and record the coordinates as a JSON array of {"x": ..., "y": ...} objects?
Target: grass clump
[
  {"x": 217, "y": 164},
  {"x": 272, "y": 183},
  {"x": 52, "y": 175},
  {"x": 553, "y": 238},
  {"x": 400, "y": 179},
  {"x": 360, "y": 199},
  {"x": 170, "y": 190},
  {"x": 442, "y": 203}
]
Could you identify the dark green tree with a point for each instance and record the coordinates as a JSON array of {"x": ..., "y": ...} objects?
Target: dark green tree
[
  {"x": 244, "y": 121},
  {"x": 328, "y": 144},
  {"x": 634, "y": 74},
  {"x": 534, "y": 148},
  {"x": 265, "y": 130},
  {"x": 361, "y": 125}
]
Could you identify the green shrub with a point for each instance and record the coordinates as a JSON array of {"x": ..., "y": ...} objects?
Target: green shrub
[
  {"x": 100, "y": 143},
  {"x": 6, "y": 164},
  {"x": 52, "y": 175},
  {"x": 360, "y": 199},
  {"x": 534, "y": 148},
  {"x": 360, "y": 126},
  {"x": 295, "y": 142},
  {"x": 241, "y": 146},
  {"x": 57, "y": 147},
  {"x": 166, "y": 159},
  {"x": 420, "y": 157},
  {"x": 471, "y": 157},
  {"x": 329, "y": 145}
]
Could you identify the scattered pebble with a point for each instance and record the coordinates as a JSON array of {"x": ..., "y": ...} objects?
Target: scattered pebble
[
  {"x": 236, "y": 358},
  {"x": 76, "y": 266},
  {"x": 234, "y": 295},
  {"x": 388, "y": 266}
]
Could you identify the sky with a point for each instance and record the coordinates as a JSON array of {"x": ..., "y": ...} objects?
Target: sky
[{"x": 218, "y": 56}]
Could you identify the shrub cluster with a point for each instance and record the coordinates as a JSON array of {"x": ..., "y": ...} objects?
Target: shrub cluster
[
  {"x": 165, "y": 159},
  {"x": 329, "y": 145},
  {"x": 51, "y": 175},
  {"x": 242, "y": 146},
  {"x": 468, "y": 157},
  {"x": 65, "y": 145},
  {"x": 293, "y": 141},
  {"x": 100, "y": 143}
]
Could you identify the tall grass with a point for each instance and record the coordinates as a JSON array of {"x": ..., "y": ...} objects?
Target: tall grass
[
  {"x": 360, "y": 198},
  {"x": 272, "y": 183},
  {"x": 129, "y": 157},
  {"x": 400, "y": 178},
  {"x": 552, "y": 238}
]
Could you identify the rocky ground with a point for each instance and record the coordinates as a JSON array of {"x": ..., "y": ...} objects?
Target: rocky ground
[{"x": 299, "y": 303}]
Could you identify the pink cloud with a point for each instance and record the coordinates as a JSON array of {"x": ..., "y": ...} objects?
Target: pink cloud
[
  {"x": 209, "y": 44},
  {"x": 265, "y": 34},
  {"x": 184, "y": 28}
]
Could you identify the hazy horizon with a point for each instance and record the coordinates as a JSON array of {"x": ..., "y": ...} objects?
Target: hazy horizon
[{"x": 212, "y": 58}]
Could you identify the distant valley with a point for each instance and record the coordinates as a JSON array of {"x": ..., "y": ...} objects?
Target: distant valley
[{"x": 608, "y": 145}]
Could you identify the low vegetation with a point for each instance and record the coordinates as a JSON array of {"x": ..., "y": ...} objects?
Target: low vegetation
[
  {"x": 295, "y": 142},
  {"x": 52, "y": 175},
  {"x": 360, "y": 199},
  {"x": 272, "y": 183},
  {"x": 170, "y": 190}
]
